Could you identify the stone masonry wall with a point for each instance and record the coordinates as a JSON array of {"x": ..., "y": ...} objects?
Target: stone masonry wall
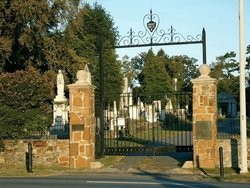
[
  {"x": 82, "y": 121},
  {"x": 45, "y": 152},
  {"x": 204, "y": 121},
  {"x": 82, "y": 126},
  {"x": 231, "y": 152}
]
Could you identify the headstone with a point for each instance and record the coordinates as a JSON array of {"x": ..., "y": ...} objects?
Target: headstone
[
  {"x": 115, "y": 114},
  {"x": 125, "y": 92},
  {"x": 125, "y": 89}
]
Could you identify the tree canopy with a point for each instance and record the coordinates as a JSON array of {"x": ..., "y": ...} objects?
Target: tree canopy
[
  {"x": 154, "y": 79},
  {"x": 92, "y": 35},
  {"x": 29, "y": 34},
  {"x": 155, "y": 74},
  {"x": 224, "y": 70},
  {"x": 25, "y": 102}
]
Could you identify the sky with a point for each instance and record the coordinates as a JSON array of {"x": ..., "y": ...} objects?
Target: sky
[{"x": 220, "y": 19}]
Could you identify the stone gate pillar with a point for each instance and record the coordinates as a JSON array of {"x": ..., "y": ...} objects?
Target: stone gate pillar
[
  {"x": 82, "y": 121},
  {"x": 204, "y": 119}
]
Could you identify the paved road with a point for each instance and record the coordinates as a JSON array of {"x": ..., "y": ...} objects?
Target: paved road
[{"x": 114, "y": 180}]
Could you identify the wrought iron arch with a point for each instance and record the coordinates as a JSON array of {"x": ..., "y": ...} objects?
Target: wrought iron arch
[{"x": 153, "y": 36}]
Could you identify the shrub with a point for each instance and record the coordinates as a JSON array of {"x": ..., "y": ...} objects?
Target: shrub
[{"x": 25, "y": 103}]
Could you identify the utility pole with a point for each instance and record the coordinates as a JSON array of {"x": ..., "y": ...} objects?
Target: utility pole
[{"x": 243, "y": 130}]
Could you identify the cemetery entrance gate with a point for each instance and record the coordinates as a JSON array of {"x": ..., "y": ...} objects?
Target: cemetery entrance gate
[
  {"x": 158, "y": 128},
  {"x": 146, "y": 128}
]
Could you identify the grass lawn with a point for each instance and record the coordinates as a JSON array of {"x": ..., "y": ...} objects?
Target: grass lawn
[
  {"x": 20, "y": 170},
  {"x": 230, "y": 175},
  {"x": 143, "y": 133}
]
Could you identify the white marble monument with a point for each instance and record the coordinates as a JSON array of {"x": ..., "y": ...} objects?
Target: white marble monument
[{"x": 60, "y": 104}]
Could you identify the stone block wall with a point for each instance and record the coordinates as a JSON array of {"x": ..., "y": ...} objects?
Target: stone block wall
[
  {"x": 204, "y": 119},
  {"x": 82, "y": 126},
  {"x": 231, "y": 152},
  {"x": 45, "y": 152},
  {"x": 82, "y": 121}
]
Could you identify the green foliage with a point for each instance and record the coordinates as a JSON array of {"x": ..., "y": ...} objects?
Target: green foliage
[
  {"x": 248, "y": 64},
  {"x": 225, "y": 70},
  {"x": 59, "y": 34},
  {"x": 156, "y": 74},
  {"x": 184, "y": 69},
  {"x": 25, "y": 102},
  {"x": 128, "y": 71},
  {"x": 31, "y": 34},
  {"x": 99, "y": 27},
  {"x": 113, "y": 78},
  {"x": 92, "y": 36},
  {"x": 248, "y": 57},
  {"x": 49, "y": 35},
  {"x": 24, "y": 27},
  {"x": 155, "y": 79}
]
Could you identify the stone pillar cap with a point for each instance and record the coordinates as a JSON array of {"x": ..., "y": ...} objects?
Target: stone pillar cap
[
  {"x": 84, "y": 76},
  {"x": 204, "y": 70}
]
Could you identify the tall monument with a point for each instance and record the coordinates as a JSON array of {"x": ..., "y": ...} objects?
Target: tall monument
[{"x": 60, "y": 104}]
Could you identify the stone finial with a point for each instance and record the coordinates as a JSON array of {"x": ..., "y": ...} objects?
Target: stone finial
[
  {"x": 84, "y": 76},
  {"x": 204, "y": 70}
]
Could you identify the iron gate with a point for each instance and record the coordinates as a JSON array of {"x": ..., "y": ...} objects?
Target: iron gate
[
  {"x": 131, "y": 130},
  {"x": 134, "y": 128}
]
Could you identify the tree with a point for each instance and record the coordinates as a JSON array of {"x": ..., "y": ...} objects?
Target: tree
[
  {"x": 31, "y": 51},
  {"x": 248, "y": 58},
  {"x": 248, "y": 82},
  {"x": 132, "y": 68},
  {"x": 25, "y": 102},
  {"x": 154, "y": 79},
  {"x": 160, "y": 70},
  {"x": 225, "y": 70},
  {"x": 93, "y": 37},
  {"x": 100, "y": 26},
  {"x": 127, "y": 70},
  {"x": 31, "y": 34},
  {"x": 184, "y": 69}
]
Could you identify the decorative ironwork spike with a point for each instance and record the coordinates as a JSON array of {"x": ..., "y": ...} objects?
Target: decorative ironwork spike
[
  {"x": 172, "y": 33},
  {"x": 131, "y": 36}
]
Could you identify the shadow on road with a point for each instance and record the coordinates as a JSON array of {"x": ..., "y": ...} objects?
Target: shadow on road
[{"x": 167, "y": 181}]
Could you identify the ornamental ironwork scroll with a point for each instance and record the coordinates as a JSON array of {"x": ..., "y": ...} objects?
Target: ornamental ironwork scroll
[{"x": 153, "y": 36}]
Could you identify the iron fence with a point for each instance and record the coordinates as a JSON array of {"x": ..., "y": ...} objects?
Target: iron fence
[
  {"x": 54, "y": 132},
  {"x": 229, "y": 128},
  {"x": 135, "y": 128},
  {"x": 60, "y": 131}
]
